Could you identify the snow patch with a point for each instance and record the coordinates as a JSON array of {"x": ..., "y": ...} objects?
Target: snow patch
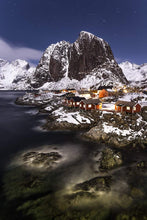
[{"x": 70, "y": 117}]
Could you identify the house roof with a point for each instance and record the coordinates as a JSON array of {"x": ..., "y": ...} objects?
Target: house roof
[
  {"x": 77, "y": 98},
  {"x": 105, "y": 87},
  {"x": 84, "y": 92},
  {"x": 68, "y": 97},
  {"x": 125, "y": 103},
  {"x": 71, "y": 89},
  {"x": 92, "y": 101}
]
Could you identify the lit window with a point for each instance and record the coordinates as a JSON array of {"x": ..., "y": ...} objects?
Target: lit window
[
  {"x": 73, "y": 103},
  {"x": 134, "y": 108},
  {"x": 80, "y": 105},
  {"x": 89, "y": 106},
  {"x": 128, "y": 108},
  {"x": 84, "y": 106},
  {"x": 77, "y": 103}
]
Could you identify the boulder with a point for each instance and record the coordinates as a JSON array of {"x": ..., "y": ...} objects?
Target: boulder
[
  {"x": 38, "y": 159},
  {"x": 96, "y": 184},
  {"x": 110, "y": 159}
]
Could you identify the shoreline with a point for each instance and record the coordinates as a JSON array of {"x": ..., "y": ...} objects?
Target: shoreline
[{"x": 116, "y": 129}]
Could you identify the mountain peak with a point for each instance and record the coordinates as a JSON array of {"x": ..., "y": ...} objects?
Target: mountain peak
[
  {"x": 77, "y": 60},
  {"x": 85, "y": 34}
]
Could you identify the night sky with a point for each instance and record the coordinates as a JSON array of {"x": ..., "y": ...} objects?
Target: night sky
[{"x": 35, "y": 24}]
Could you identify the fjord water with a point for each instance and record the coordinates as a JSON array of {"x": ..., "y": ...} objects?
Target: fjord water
[
  {"x": 30, "y": 194},
  {"x": 19, "y": 132}
]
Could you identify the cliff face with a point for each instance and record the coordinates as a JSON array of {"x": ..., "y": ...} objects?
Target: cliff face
[{"x": 87, "y": 55}]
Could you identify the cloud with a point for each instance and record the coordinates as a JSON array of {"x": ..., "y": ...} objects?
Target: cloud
[{"x": 10, "y": 52}]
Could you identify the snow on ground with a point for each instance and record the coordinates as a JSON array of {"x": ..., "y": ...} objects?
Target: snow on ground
[
  {"x": 70, "y": 117},
  {"x": 108, "y": 106},
  {"x": 130, "y": 133},
  {"x": 142, "y": 98},
  {"x": 49, "y": 108},
  {"x": 110, "y": 129},
  {"x": 131, "y": 96}
]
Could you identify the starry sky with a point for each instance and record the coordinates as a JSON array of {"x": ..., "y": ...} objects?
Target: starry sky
[{"x": 28, "y": 27}]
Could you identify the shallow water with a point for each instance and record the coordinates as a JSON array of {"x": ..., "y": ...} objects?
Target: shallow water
[
  {"x": 20, "y": 132},
  {"x": 43, "y": 194}
]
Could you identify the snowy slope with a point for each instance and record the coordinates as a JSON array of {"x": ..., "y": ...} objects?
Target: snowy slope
[
  {"x": 15, "y": 75},
  {"x": 97, "y": 77},
  {"x": 134, "y": 72}
]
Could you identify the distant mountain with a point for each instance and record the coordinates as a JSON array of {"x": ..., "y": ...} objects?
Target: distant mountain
[
  {"x": 15, "y": 75},
  {"x": 88, "y": 62},
  {"x": 135, "y": 73}
]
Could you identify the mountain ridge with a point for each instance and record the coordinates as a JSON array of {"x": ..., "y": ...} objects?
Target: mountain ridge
[
  {"x": 86, "y": 63},
  {"x": 87, "y": 55},
  {"x": 15, "y": 75}
]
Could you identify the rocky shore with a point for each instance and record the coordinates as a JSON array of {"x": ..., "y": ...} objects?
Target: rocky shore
[
  {"x": 115, "y": 129},
  {"x": 120, "y": 130},
  {"x": 111, "y": 181}
]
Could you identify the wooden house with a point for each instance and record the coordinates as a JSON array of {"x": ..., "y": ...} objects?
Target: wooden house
[
  {"x": 89, "y": 104},
  {"x": 64, "y": 90},
  {"x": 66, "y": 101},
  {"x": 75, "y": 101},
  {"x": 72, "y": 90},
  {"x": 130, "y": 107},
  {"x": 103, "y": 93},
  {"x": 72, "y": 101}
]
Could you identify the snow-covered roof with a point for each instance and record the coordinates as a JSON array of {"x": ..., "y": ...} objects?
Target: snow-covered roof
[
  {"x": 125, "y": 103},
  {"x": 92, "y": 101}
]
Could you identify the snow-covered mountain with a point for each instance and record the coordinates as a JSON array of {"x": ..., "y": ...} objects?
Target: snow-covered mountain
[
  {"x": 88, "y": 62},
  {"x": 135, "y": 73},
  {"x": 15, "y": 75}
]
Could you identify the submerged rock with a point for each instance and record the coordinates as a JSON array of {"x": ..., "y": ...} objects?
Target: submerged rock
[
  {"x": 45, "y": 160},
  {"x": 110, "y": 159},
  {"x": 96, "y": 184}
]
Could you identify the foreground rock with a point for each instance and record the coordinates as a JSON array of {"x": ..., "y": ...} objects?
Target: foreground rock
[
  {"x": 69, "y": 119},
  {"x": 95, "y": 184},
  {"x": 110, "y": 159},
  {"x": 120, "y": 130},
  {"x": 41, "y": 160}
]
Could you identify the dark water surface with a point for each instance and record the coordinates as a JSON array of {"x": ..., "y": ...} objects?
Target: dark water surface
[
  {"x": 19, "y": 131},
  {"x": 30, "y": 194}
]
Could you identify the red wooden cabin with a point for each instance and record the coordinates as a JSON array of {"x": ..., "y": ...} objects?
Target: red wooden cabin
[
  {"x": 130, "y": 107},
  {"x": 75, "y": 101},
  {"x": 89, "y": 104},
  {"x": 67, "y": 101},
  {"x": 103, "y": 93}
]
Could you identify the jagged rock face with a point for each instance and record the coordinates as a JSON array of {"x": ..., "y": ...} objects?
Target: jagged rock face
[
  {"x": 76, "y": 60},
  {"x": 87, "y": 53},
  {"x": 53, "y": 65}
]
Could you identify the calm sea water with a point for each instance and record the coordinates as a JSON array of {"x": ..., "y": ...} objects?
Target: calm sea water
[{"x": 20, "y": 132}]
